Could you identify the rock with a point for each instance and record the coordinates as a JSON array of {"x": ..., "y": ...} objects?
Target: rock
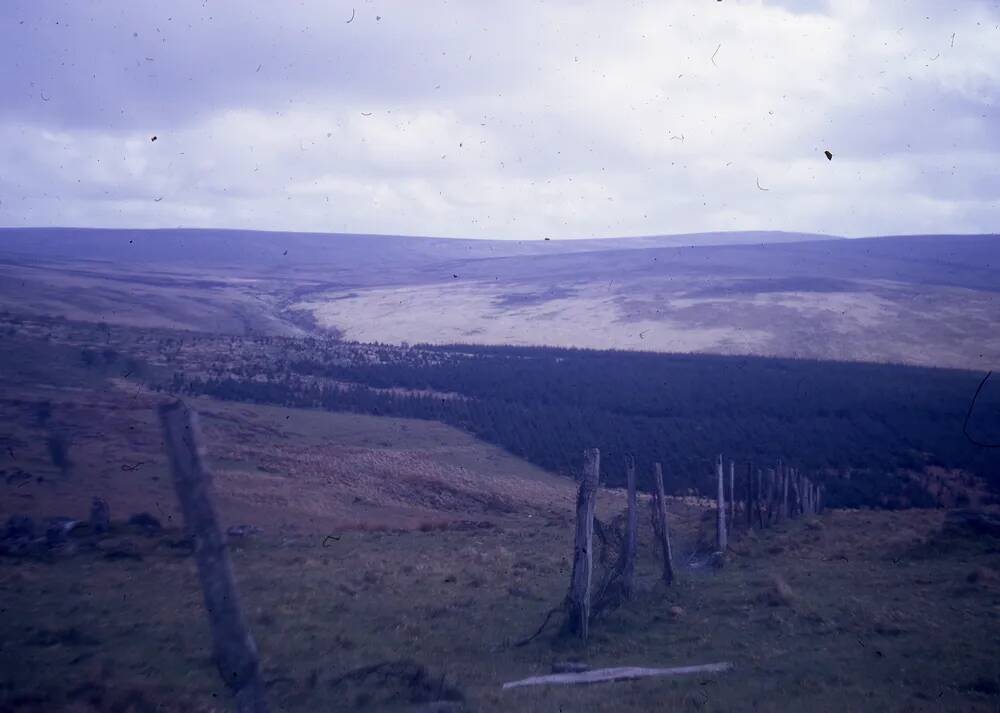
[
  {"x": 569, "y": 667},
  {"x": 440, "y": 707},
  {"x": 100, "y": 516},
  {"x": 58, "y": 529},
  {"x": 779, "y": 594},
  {"x": 984, "y": 576},
  {"x": 243, "y": 531},
  {"x": 124, "y": 550},
  {"x": 400, "y": 681},
  {"x": 19, "y": 527},
  {"x": 18, "y": 477},
  {"x": 61, "y": 637},
  {"x": 145, "y": 522},
  {"x": 19, "y": 538},
  {"x": 182, "y": 546},
  {"x": 523, "y": 594},
  {"x": 974, "y": 522},
  {"x": 463, "y": 525},
  {"x": 983, "y": 684},
  {"x": 676, "y": 612}
]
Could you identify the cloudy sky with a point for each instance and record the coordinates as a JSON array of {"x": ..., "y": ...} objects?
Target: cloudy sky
[{"x": 502, "y": 119}]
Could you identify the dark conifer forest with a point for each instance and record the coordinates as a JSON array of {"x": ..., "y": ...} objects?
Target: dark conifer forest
[{"x": 867, "y": 430}]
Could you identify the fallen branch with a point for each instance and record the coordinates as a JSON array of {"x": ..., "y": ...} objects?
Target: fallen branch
[
  {"x": 556, "y": 610},
  {"x": 617, "y": 674}
]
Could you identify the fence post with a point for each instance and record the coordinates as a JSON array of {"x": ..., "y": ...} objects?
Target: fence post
[
  {"x": 720, "y": 524},
  {"x": 234, "y": 649},
  {"x": 628, "y": 563},
  {"x": 785, "y": 475},
  {"x": 800, "y": 497},
  {"x": 760, "y": 498},
  {"x": 659, "y": 504},
  {"x": 732, "y": 495},
  {"x": 792, "y": 475},
  {"x": 772, "y": 497},
  {"x": 583, "y": 554},
  {"x": 766, "y": 499},
  {"x": 749, "y": 501}
]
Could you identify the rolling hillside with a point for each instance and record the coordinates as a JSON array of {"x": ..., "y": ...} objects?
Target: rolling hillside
[{"x": 927, "y": 300}]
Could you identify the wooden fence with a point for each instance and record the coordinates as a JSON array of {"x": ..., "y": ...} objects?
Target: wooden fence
[{"x": 760, "y": 498}]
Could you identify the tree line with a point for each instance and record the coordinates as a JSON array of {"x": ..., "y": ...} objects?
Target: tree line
[{"x": 857, "y": 427}]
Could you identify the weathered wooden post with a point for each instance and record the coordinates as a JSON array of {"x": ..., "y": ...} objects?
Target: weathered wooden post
[
  {"x": 772, "y": 496},
  {"x": 720, "y": 521},
  {"x": 235, "y": 652},
  {"x": 760, "y": 498},
  {"x": 631, "y": 526},
  {"x": 791, "y": 492},
  {"x": 732, "y": 495},
  {"x": 583, "y": 554},
  {"x": 777, "y": 489},
  {"x": 785, "y": 474},
  {"x": 100, "y": 516},
  {"x": 800, "y": 502},
  {"x": 768, "y": 495},
  {"x": 662, "y": 528}
]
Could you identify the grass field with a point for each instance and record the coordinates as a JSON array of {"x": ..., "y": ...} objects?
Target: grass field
[
  {"x": 445, "y": 551},
  {"x": 925, "y": 300},
  {"x": 874, "y": 611},
  {"x": 284, "y": 470}
]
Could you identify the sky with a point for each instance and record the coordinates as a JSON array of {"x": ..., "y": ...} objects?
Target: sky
[{"x": 513, "y": 119}]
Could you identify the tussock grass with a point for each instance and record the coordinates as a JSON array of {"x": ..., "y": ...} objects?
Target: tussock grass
[
  {"x": 778, "y": 593},
  {"x": 806, "y": 631},
  {"x": 885, "y": 611}
]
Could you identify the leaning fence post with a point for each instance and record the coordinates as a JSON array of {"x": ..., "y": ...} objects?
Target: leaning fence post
[
  {"x": 785, "y": 474},
  {"x": 628, "y": 563},
  {"x": 791, "y": 492},
  {"x": 234, "y": 650},
  {"x": 662, "y": 526},
  {"x": 777, "y": 489},
  {"x": 761, "y": 498},
  {"x": 720, "y": 522},
  {"x": 732, "y": 495},
  {"x": 772, "y": 497},
  {"x": 583, "y": 555}
]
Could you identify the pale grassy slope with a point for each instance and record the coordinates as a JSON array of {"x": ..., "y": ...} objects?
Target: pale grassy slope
[
  {"x": 871, "y": 321},
  {"x": 476, "y": 313},
  {"x": 927, "y": 300},
  {"x": 284, "y": 470}
]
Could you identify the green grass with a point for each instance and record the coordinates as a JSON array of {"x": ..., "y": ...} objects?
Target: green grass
[
  {"x": 881, "y": 615},
  {"x": 875, "y": 610}
]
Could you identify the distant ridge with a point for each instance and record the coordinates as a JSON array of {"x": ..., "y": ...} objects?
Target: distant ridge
[
  {"x": 919, "y": 299},
  {"x": 244, "y": 248}
]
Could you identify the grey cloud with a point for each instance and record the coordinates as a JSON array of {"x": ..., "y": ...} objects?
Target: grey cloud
[{"x": 501, "y": 120}]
